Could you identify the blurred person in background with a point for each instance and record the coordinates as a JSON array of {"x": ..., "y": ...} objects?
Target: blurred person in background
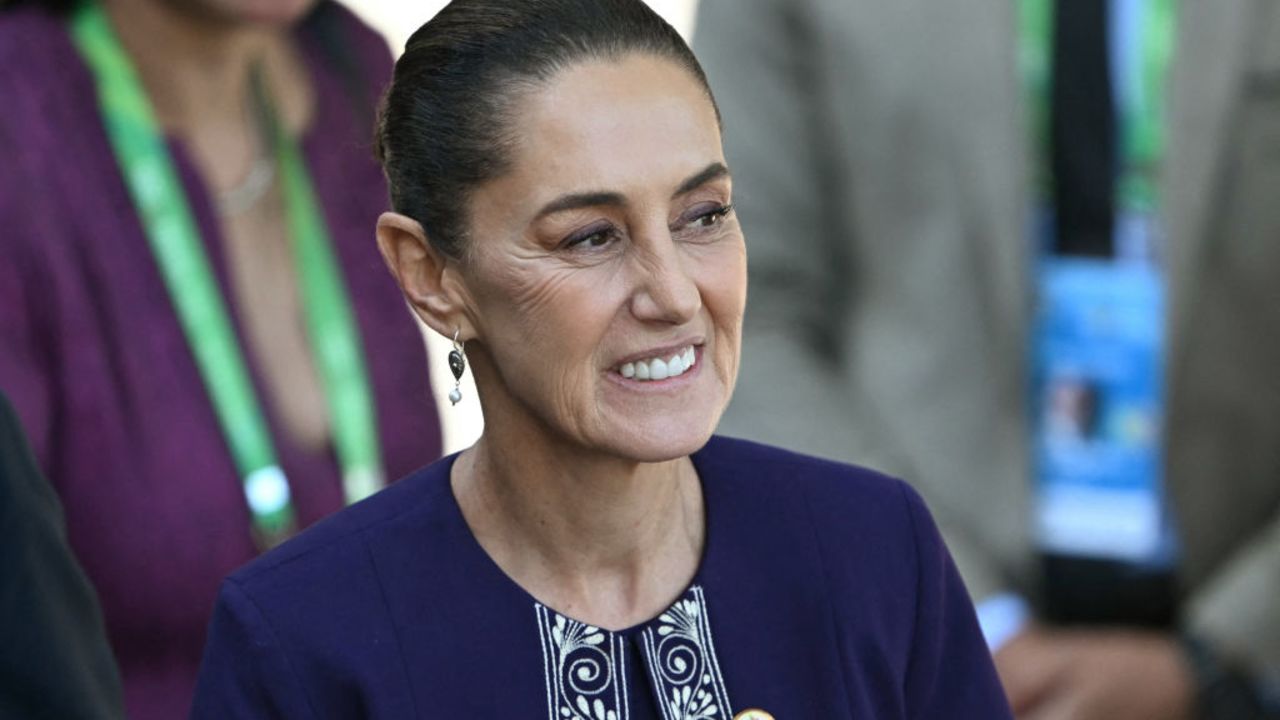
[
  {"x": 195, "y": 326},
  {"x": 987, "y": 253},
  {"x": 54, "y": 659}
]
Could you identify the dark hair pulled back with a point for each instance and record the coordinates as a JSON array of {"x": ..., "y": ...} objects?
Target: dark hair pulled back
[{"x": 446, "y": 123}]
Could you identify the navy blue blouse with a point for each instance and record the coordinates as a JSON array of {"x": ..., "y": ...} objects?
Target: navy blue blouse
[{"x": 824, "y": 591}]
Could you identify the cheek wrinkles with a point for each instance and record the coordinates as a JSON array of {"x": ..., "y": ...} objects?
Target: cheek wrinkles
[
  {"x": 533, "y": 293},
  {"x": 524, "y": 283}
]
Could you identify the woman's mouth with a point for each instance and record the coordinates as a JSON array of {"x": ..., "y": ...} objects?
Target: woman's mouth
[{"x": 660, "y": 367}]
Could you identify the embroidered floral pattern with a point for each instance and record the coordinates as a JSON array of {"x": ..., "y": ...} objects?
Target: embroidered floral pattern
[
  {"x": 682, "y": 662},
  {"x": 585, "y": 669}
]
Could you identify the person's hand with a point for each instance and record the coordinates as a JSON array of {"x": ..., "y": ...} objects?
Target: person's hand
[{"x": 1053, "y": 674}]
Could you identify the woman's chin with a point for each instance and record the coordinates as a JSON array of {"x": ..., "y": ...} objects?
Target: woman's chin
[
  {"x": 659, "y": 441},
  {"x": 659, "y": 423}
]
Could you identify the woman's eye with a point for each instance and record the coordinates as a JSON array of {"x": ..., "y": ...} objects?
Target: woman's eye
[
  {"x": 712, "y": 217},
  {"x": 592, "y": 239}
]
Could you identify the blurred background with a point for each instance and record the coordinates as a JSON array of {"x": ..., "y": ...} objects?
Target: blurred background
[{"x": 1020, "y": 253}]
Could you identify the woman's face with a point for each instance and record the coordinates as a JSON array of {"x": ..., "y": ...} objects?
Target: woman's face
[{"x": 606, "y": 271}]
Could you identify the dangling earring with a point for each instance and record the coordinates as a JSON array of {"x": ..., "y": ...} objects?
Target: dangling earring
[{"x": 457, "y": 363}]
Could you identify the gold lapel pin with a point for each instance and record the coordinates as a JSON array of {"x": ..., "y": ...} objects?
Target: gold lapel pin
[{"x": 753, "y": 714}]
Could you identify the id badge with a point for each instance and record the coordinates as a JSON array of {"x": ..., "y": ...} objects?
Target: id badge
[{"x": 1097, "y": 409}]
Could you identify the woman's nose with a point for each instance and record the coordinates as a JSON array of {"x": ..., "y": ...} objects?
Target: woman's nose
[{"x": 666, "y": 291}]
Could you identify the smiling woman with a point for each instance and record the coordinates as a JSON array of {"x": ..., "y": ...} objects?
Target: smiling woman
[
  {"x": 607, "y": 241},
  {"x": 564, "y": 211}
]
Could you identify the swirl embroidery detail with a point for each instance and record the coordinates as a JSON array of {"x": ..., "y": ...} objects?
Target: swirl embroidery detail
[
  {"x": 682, "y": 662},
  {"x": 585, "y": 669}
]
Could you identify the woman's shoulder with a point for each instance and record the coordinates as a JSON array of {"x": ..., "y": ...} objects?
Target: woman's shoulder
[
  {"x": 319, "y": 618},
  {"x": 843, "y": 507},
  {"x": 337, "y": 549},
  {"x": 749, "y": 463},
  {"x": 861, "y": 547}
]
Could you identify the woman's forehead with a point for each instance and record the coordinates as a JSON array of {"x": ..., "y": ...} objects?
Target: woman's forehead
[{"x": 632, "y": 123}]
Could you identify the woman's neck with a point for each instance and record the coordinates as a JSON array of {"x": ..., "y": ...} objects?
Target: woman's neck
[{"x": 602, "y": 539}]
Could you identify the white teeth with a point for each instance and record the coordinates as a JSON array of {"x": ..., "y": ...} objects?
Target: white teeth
[
  {"x": 657, "y": 369},
  {"x": 660, "y": 368}
]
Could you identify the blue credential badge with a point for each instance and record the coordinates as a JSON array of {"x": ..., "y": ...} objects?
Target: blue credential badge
[{"x": 1098, "y": 408}]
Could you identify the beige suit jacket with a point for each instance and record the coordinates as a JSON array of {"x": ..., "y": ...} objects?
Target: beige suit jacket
[{"x": 877, "y": 150}]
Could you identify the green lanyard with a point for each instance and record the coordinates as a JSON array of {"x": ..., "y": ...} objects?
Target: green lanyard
[
  {"x": 1142, "y": 129},
  {"x": 174, "y": 238}
]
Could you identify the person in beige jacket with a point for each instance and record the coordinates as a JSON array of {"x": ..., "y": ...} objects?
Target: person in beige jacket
[{"x": 879, "y": 157}]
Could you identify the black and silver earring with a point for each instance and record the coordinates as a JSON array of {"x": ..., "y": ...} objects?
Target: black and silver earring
[{"x": 457, "y": 364}]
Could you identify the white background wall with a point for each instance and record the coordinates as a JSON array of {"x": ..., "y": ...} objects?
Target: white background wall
[{"x": 397, "y": 19}]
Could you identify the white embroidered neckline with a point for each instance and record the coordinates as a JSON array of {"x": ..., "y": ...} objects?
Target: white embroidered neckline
[{"x": 586, "y": 673}]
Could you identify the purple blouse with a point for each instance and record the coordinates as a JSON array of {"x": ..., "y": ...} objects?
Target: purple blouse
[
  {"x": 95, "y": 361},
  {"x": 824, "y": 592}
]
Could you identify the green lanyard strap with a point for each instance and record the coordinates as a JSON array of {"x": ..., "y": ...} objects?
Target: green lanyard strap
[
  {"x": 175, "y": 243},
  {"x": 1142, "y": 129},
  {"x": 1144, "y": 137}
]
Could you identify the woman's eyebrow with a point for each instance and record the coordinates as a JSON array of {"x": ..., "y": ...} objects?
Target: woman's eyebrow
[
  {"x": 580, "y": 200},
  {"x": 711, "y": 172},
  {"x": 574, "y": 201}
]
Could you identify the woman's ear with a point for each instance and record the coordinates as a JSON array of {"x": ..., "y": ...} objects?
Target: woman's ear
[{"x": 420, "y": 269}]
